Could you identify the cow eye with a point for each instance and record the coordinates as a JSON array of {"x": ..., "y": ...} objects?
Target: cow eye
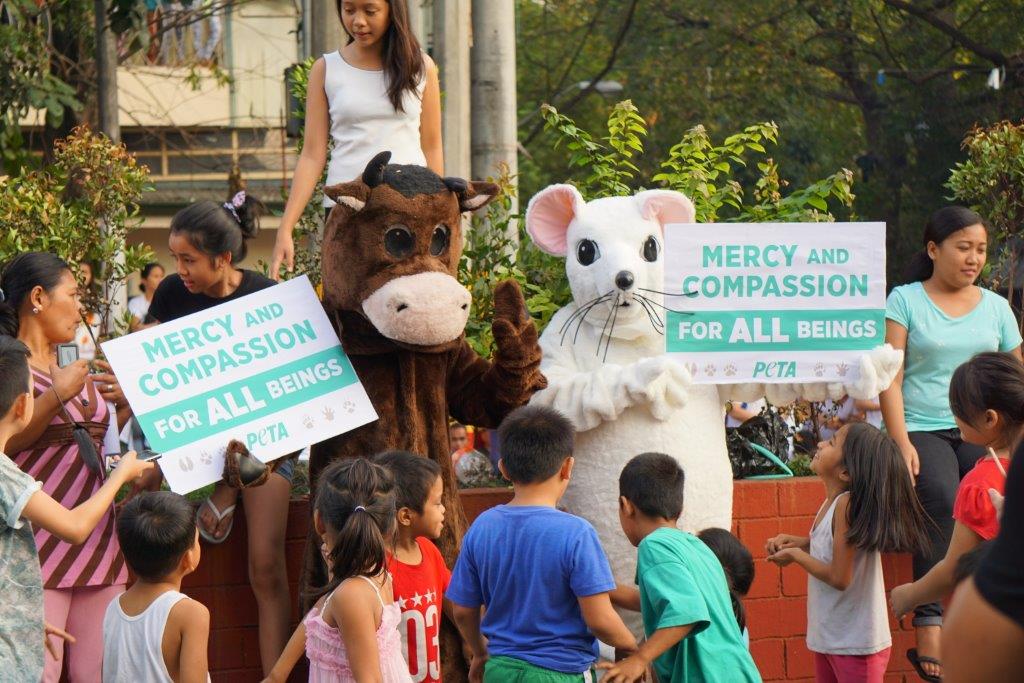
[
  {"x": 587, "y": 252},
  {"x": 650, "y": 252},
  {"x": 398, "y": 241},
  {"x": 439, "y": 240}
]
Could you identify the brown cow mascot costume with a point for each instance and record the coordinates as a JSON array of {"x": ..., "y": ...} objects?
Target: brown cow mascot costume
[{"x": 390, "y": 254}]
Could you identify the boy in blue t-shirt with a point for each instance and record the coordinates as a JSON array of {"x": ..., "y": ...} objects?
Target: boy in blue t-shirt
[
  {"x": 540, "y": 573},
  {"x": 692, "y": 633}
]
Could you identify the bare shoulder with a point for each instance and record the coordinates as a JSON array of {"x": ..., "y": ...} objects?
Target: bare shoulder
[
  {"x": 189, "y": 613},
  {"x": 428, "y": 62}
]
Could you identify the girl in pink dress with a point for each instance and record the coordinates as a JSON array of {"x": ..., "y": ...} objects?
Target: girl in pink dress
[{"x": 352, "y": 631}]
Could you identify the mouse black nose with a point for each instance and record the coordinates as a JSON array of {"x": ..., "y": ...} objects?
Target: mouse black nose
[{"x": 624, "y": 280}]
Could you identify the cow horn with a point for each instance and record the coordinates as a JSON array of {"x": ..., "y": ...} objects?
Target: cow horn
[{"x": 374, "y": 173}]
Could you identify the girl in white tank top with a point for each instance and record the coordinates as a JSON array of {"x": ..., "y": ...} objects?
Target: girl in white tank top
[
  {"x": 870, "y": 508},
  {"x": 378, "y": 93}
]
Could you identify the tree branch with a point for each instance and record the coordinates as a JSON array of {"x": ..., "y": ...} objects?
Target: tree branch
[{"x": 983, "y": 51}]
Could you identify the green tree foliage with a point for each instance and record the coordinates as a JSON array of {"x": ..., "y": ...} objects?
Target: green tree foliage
[{"x": 82, "y": 208}]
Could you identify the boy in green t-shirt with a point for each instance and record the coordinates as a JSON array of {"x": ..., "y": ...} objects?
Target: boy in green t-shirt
[{"x": 692, "y": 635}]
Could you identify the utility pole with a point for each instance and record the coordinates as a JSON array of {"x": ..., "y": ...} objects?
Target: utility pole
[
  {"x": 452, "y": 41},
  {"x": 106, "y": 73},
  {"x": 325, "y": 32},
  {"x": 494, "y": 88}
]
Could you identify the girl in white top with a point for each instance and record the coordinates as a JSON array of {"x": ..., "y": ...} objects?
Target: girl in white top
[
  {"x": 378, "y": 93},
  {"x": 870, "y": 508}
]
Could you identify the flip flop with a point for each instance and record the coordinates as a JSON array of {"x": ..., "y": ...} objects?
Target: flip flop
[
  {"x": 917, "y": 660},
  {"x": 219, "y": 515}
]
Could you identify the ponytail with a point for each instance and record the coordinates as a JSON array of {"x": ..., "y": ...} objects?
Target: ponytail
[
  {"x": 940, "y": 225},
  {"x": 356, "y": 501},
  {"x": 884, "y": 512},
  {"x": 217, "y": 229},
  {"x": 20, "y": 276}
]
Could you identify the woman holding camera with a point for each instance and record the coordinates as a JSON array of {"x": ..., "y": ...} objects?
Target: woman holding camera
[{"x": 39, "y": 304}]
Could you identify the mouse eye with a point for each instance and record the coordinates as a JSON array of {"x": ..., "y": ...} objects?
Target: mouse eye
[
  {"x": 587, "y": 252},
  {"x": 398, "y": 241},
  {"x": 439, "y": 240},
  {"x": 650, "y": 250}
]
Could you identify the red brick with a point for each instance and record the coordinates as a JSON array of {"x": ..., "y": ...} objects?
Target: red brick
[
  {"x": 776, "y": 617},
  {"x": 799, "y": 660},
  {"x": 754, "y": 533},
  {"x": 767, "y": 582},
  {"x": 794, "y": 580},
  {"x": 899, "y": 678},
  {"x": 226, "y": 648},
  {"x": 769, "y": 656},
  {"x": 234, "y": 607},
  {"x": 901, "y": 642},
  {"x": 753, "y": 499},
  {"x": 800, "y": 496}
]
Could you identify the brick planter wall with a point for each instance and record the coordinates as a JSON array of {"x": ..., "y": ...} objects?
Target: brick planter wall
[{"x": 776, "y": 605}]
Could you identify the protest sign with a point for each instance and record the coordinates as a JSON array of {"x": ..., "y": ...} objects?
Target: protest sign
[
  {"x": 784, "y": 302},
  {"x": 266, "y": 369}
]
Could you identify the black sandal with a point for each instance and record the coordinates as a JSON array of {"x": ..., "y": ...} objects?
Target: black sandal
[{"x": 917, "y": 660}]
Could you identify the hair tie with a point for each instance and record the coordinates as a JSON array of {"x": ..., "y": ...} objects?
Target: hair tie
[
  {"x": 237, "y": 202},
  {"x": 357, "y": 508}
]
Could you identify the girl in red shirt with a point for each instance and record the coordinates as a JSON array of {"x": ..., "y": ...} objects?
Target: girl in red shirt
[{"x": 986, "y": 395}]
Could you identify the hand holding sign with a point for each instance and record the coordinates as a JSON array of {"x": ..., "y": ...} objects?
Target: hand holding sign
[{"x": 251, "y": 369}]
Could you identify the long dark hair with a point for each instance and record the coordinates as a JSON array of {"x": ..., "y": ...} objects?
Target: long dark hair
[
  {"x": 884, "y": 512},
  {"x": 738, "y": 564},
  {"x": 20, "y": 276},
  {"x": 218, "y": 228},
  {"x": 940, "y": 225},
  {"x": 355, "y": 499},
  {"x": 402, "y": 57},
  {"x": 146, "y": 271},
  {"x": 989, "y": 381}
]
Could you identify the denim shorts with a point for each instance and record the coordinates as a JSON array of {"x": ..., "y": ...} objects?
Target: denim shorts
[{"x": 287, "y": 468}]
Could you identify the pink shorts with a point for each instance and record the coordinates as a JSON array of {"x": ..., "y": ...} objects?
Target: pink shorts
[{"x": 851, "y": 668}]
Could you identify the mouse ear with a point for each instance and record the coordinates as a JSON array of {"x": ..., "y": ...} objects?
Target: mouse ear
[
  {"x": 666, "y": 206},
  {"x": 549, "y": 214}
]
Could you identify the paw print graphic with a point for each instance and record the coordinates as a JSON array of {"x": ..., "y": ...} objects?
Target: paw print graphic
[
  {"x": 307, "y": 422},
  {"x": 819, "y": 369},
  {"x": 186, "y": 464},
  {"x": 206, "y": 458},
  {"x": 349, "y": 407},
  {"x": 692, "y": 367},
  {"x": 842, "y": 369},
  {"x": 710, "y": 370},
  {"x": 328, "y": 413},
  {"x": 730, "y": 370}
]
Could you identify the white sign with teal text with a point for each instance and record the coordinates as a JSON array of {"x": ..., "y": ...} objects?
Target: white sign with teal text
[
  {"x": 266, "y": 369},
  {"x": 779, "y": 302}
]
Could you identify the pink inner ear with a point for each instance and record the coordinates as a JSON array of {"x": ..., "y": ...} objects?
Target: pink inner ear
[
  {"x": 548, "y": 217},
  {"x": 668, "y": 207}
]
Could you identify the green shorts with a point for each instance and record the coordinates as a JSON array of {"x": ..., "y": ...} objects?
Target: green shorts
[{"x": 510, "y": 670}]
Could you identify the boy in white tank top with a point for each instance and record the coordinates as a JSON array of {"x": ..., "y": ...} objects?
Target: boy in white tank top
[{"x": 153, "y": 632}]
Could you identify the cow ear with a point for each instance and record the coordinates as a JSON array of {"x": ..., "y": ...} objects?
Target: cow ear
[
  {"x": 665, "y": 206},
  {"x": 352, "y": 194},
  {"x": 476, "y": 195},
  {"x": 549, "y": 214}
]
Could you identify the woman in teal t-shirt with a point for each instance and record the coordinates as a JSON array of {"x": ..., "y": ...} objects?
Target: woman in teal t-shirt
[{"x": 940, "y": 319}]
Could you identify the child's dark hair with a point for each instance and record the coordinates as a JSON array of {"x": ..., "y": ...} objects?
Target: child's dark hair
[
  {"x": 653, "y": 482},
  {"x": 146, "y": 271},
  {"x": 355, "y": 499},
  {"x": 404, "y": 66},
  {"x": 535, "y": 441},
  {"x": 155, "y": 530},
  {"x": 738, "y": 564},
  {"x": 992, "y": 380},
  {"x": 218, "y": 228},
  {"x": 884, "y": 512},
  {"x": 14, "y": 370},
  {"x": 969, "y": 562},
  {"x": 414, "y": 475},
  {"x": 20, "y": 276},
  {"x": 940, "y": 225}
]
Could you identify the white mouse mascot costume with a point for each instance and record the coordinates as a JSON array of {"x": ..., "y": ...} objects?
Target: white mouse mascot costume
[{"x": 607, "y": 371}]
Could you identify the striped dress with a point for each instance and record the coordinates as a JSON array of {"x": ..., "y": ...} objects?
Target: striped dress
[{"x": 54, "y": 460}]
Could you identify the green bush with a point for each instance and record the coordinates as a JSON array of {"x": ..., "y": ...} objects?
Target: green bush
[{"x": 82, "y": 208}]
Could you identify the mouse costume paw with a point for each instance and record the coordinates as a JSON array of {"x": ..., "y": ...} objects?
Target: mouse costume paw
[{"x": 878, "y": 369}]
